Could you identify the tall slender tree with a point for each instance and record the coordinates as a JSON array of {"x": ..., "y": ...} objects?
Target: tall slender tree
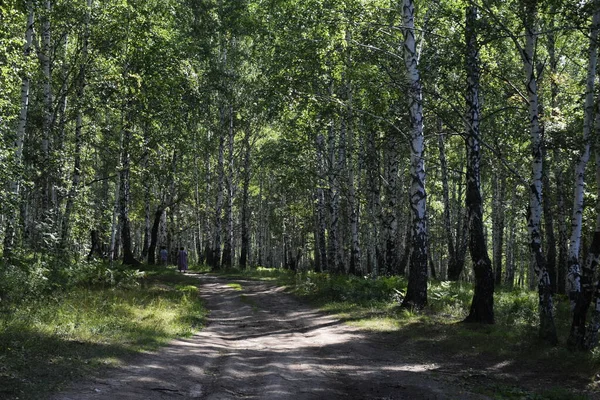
[
  {"x": 482, "y": 305},
  {"x": 416, "y": 295}
]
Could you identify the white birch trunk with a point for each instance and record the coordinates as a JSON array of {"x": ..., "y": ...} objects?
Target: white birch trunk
[
  {"x": 574, "y": 271},
  {"x": 416, "y": 295},
  {"x": 15, "y": 186},
  {"x": 47, "y": 120},
  {"x": 546, "y": 308}
]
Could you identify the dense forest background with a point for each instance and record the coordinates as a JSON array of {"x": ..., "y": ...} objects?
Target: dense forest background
[{"x": 439, "y": 139}]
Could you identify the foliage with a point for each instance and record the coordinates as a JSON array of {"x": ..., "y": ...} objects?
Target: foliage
[{"x": 51, "y": 339}]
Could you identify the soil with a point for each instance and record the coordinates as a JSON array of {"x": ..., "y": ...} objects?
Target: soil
[{"x": 261, "y": 343}]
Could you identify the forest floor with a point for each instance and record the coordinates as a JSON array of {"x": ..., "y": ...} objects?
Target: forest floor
[{"x": 262, "y": 343}]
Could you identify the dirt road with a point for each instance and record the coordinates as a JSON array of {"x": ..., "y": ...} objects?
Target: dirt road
[{"x": 261, "y": 343}]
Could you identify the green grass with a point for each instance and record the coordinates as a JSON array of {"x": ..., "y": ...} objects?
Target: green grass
[
  {"x": 46, "y": 342},
  {"x": 235, "y": 286}
]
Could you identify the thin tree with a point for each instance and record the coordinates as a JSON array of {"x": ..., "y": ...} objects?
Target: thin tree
[
  {"x": 416, "y": 295},
  {"x": 482, "y": 305},
  {"x": 546, "y": 307},
  {"x": 579, "y": 283}
]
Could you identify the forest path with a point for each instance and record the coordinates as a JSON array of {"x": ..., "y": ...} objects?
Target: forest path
[{"x": 260, "y": 343}]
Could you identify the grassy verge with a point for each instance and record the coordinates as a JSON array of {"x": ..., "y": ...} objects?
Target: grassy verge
[
  {"x": 46, "y": 342},
  {"x": 509, "y": 348}
]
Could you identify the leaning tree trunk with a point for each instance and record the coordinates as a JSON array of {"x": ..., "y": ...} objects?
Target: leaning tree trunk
[
  {"x": 482, "y": 305},
  {"x": 578, "y": 294},
  {"x": 546, "y": 308},
  {"x": 15, "y": 187},
  {"x": 416, "y": 295}
]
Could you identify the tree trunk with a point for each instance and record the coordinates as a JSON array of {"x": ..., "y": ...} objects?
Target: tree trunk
[
  {"x": 154, "y": 235},
  {"x": 574, "y": 272},
  {"x": 245, "y": 245},
  {"x": 454, "y": 266},
  {"x": 15, "y": 187},
  {"x": 562, "y": 261},
  {"x": 416, "y": 295},
  {"x": 498, "y": 218},
  {"x": 373, "y": 203},
  {"x": 354, "y": 266},
  {"x": 227, "y": 260},
  {"x": 334, "y": 206},
  {"x": 482, "y": 305},
  {"x": 81, "y": 82},
  {"x": 546, "y": 308},
  {"x": 320, "y": 203},
  {"x": 216, "y": 250},
  {"x": 128, "y": 257},
  {"x": 391, "y": 204},
  {"x": 47, "y": 120}
]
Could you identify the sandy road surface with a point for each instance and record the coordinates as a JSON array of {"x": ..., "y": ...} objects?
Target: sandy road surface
[{"x": 261, "y": 343}]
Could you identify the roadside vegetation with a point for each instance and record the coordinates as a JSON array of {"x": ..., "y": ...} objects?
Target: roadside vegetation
[
  {"x": 511, "y": 346},
  {"x": 100, "y": 316}
]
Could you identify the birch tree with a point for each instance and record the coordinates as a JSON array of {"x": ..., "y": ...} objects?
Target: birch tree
[
  {"x": 416, "y": 295},
  {"x": 546, "y": 306},
  {"x": 482, "y": 305},
  {"x": 15, "y": 187},
  {"x": 579, "y": 282}
]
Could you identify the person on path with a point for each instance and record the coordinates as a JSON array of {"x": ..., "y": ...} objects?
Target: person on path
[
  {"x": 163, "y": 255},
  {"x": 182, "y": 261}
]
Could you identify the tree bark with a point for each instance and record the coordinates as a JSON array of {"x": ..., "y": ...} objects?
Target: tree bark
[
  {"x": 245, "y": 212},
  {"x": 334, "y": 206},
  {"x": 15, "y": 187},
  {"x": 482, "y": 305},
  {"x": 373, "y": 204},
  {"x": 227, "y": 259},
  {"x": 546, "y": 308},
  {"x": 128, "y": 257},
  {"x": 320, "y": 203},
  {"x": 498, "y": 219},
  {"x": 574, "y": 272},
  {"x": 391, "y": 204},
  {"x": 416, "y": 295},
  {"x": 216, "y": 250}
]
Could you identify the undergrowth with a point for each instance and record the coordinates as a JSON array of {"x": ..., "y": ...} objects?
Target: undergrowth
[{"x": 100, "y": 317}]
